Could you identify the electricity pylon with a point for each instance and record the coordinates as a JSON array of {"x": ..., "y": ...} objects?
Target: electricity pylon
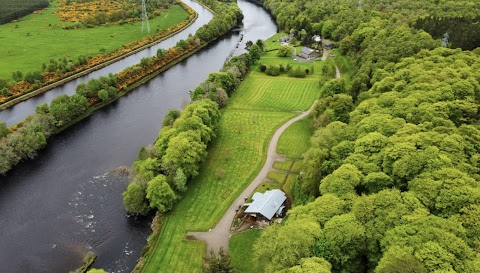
[{"x": 145, "y": 17}]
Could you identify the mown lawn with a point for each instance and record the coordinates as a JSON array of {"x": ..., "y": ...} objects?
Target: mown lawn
[
  {"x": 241, "y": 250},
  {"x": 233, "y": 161},
  {"x": 37, "y": 38},
  {"x": 259, "y": 106},
  {"x": 296, "y": 139},
  {"x": 276, "y": 93}
]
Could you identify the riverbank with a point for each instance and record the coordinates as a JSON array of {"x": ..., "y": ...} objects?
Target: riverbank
[{"x": 101, "y": 60}]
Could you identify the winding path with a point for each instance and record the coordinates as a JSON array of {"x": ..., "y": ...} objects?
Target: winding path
[{"x": 220, "y": 234}]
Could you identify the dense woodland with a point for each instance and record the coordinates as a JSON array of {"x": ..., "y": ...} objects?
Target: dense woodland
[
  {"x": 13, "y": 9},
  {"x": 391, "y": 181}
]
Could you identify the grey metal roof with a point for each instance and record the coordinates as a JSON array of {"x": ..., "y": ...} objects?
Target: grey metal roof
[
  {"x": 307, "y": 51},
  {"x": 267, "y": 204}
]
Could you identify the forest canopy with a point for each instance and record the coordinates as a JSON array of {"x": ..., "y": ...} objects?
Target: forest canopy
[{"x": 391, "y": 181}]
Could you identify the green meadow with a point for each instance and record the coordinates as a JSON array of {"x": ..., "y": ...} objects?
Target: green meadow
[
  {"x": 258, "y": 107},
  {"x": 37, "y": 38}
]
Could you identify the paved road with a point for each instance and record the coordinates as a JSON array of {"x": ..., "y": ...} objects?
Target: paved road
[{"x": 220, "y": 234}]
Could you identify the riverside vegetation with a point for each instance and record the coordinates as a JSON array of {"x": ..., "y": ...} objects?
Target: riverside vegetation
[
  {"x": 234, "y": 157},
  {"x": 61, "y": 57},
  {"x": 23, "y": 140},
  {"x": 391, "y": 180}
]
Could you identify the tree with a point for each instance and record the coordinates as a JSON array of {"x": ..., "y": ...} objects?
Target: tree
[
  {"x": 321, "y": 210},
  {"x": 103, "y": 95},
  {"x": 3, "y": 130},
  {"x": 346, "y": 237},
  {"x": 42, "y": 109},
  {"x": 342, "y": 182},
  {"x": 311, "y": 265},
  {"x": 160, "y": 53},
  {"x": 134, "y": 199},
  {"x": 185, "y": 151},
  {"x": 160, "y": 195},
  {"x": 218, "y": 263},
  {"x": 180, "y": 181},
  {"x": 254, "y": 52},
  {"x": 261, "y": 44},
  {"x": 182, "y": 44},
  {"x": 332, "y": 87},
  {"x": 437, "y": 243},
  {"x": 285, "y": 51},
  {"x": 400, "y": 260},
  {"x": 170, "y": 117},
  {"x": 281, "y": 247}
]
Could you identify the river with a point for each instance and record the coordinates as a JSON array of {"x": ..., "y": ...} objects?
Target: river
[{"x": 55, "y": 208}]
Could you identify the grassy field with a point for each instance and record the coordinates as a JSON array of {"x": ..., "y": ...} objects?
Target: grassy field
[
  {"x": 296, "y": 139},
  {"x": 241, "y": 248},
  {"x": 272, "y": 43},
  {"x": 254, "y": 112},
  {"x": 37, "y": 38}
]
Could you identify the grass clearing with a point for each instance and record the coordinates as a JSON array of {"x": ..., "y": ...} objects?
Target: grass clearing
[
  {"x": 259, "y": 106},
  {"x": 295, "y": 141},
  {"x": 272, "y": 43},
  {"x": 297, "y": 166},
  {"x": 277, "y": 177},
  {"x": 241, "y": 251},
  {"x": 283, "y": 166},
  {"x": 37, "y": 38},
  {"x": 275, "y": 93}
]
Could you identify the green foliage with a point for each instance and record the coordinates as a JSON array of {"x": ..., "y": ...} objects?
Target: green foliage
[
  {"x": 333, "y": 87},
  {"x": 103, "y": 95},
  {"x": 321, "y": 210},
  {"x": 394, "y": 154},
  {"x": 134, "y": 200},
  {"x": 282, "y": 247},
  {"x": 3, "y": 130},
  {"x": 218, "y": 263},
  {"x": 180, "y": 181},
  {"x": 25, "y": 141},
  {"x": 66, "y": 108},
  {"x": 160, "y": 53},
  {"x": 332, "y": 108},
  {"x": 95, "y": 270},
  {"x": 285, "y": 51},
  {"x": 346, "y": 237},
  {"x": 160, "y": 195},
  {"x": 170, "y": 117},
  {"x": 311, "y": 265}
]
